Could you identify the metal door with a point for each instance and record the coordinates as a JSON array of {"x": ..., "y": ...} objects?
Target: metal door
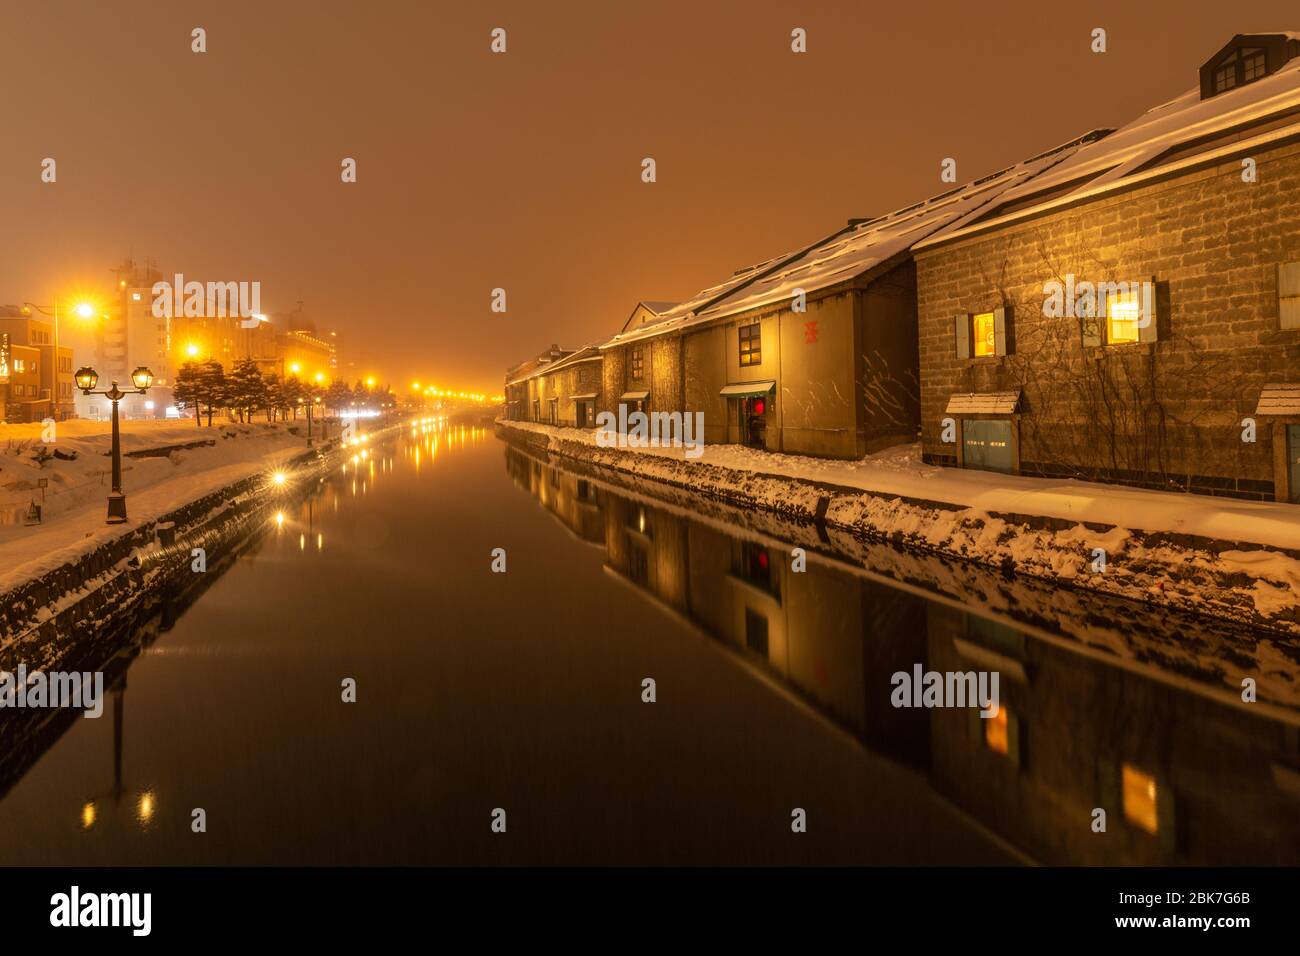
[{"x": 987, "y": 445}]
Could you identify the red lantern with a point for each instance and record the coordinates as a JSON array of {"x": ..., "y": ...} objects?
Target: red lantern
[{"x": 758, "y": 406}]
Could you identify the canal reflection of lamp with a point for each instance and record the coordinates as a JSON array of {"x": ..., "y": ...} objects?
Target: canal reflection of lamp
[
  {"x": 146, "y": 802},
  {"x": 87, "y": 378}
]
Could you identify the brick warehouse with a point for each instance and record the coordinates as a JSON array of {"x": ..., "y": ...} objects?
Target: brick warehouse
[{"x": 1198, "y": 203}]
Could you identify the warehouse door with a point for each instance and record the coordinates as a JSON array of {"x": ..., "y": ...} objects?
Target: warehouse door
[{"x": 986, "y": 445}]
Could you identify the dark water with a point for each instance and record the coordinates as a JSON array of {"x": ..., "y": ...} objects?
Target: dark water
[{"x": 523, "y": 691}]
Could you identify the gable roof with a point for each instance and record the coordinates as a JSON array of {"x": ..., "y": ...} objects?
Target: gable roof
[
  {"x": 659, "y": 310},
  {"x": 584, "y": 354},
  {"x": 852, "y": 251},
  {"x": 1184, "y": 132}
]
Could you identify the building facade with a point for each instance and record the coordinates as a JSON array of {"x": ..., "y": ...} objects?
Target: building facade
[
  {"x": 1134, "y": 316},
  {"x": 36, "y": 377}
]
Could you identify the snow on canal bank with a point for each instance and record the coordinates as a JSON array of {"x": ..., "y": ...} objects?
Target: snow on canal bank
[
  {"x": 158, "y": 474},
  {"x": 1222, "y": 556}
]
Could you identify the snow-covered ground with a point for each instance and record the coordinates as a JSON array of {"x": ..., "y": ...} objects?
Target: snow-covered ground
[
  {"x": 900, "y": 471},
  {"x": 78, "y": 480}
]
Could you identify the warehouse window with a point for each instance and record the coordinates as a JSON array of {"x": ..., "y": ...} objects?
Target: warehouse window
[
  {"x": 751, "y": 345},
  {"x": 1123, "y": 313},
  {"x": 1238, "y": 68},
  {"x": 982, "y": 334}
]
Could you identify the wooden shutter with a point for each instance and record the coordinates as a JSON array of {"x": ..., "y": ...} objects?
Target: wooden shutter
[
  {"x": 1288, "y": 294},
  {"x": 1151, "y": 331},
  {"x": 1003, "y": 339},
  {"x": 961, "y": 329}
]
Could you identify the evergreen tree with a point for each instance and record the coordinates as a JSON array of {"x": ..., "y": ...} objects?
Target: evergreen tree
[
  {"x": 187, "y": 388},
  {"x": 212, "y": 387},
  {"x": 247, "y": 389},
  {"x": 273, "y": 396},
  {"x": 292, "y": 395},
  {"x": 338, "y": 395}
]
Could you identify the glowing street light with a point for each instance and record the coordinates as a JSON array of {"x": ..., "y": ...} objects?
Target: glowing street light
[
  {"x": 84, "y": 310},
  {"x": 87, "y": 378}
]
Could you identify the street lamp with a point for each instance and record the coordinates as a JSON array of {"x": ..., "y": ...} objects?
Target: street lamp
[
  {"x": 85, "y": 310},
  {"x": 87, "y": 378},
  {"x": 315, "y": 400}
]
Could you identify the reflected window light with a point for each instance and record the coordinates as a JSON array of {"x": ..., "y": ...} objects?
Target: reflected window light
[
  {"x": 88, "y": 815},
  {"x": 1140, "y": 792},
  {"x": 279, "y": 519},
  {"x": 320, "y": 542},
  {"x": 145, "y": 808},
  {"x": 997, "y": 735}
]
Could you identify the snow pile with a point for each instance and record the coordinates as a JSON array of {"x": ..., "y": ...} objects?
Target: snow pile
[{"x": 1237, "y": 559}]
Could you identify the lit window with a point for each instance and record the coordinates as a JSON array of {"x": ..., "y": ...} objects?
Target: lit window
[
  {"x": 982, "y": 327},
  {"x": 1140, "y": 799},
  {"x": 638, "y": 363},
  {"x": 996, "y": 734},
  {"x": 1123, "y": 313},
  {"x": 751, "y": 345}
]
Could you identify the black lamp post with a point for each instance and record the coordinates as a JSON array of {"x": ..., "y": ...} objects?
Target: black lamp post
[
  {"x": 315, "y": 400},
  {"x": 87, "y": 379}
]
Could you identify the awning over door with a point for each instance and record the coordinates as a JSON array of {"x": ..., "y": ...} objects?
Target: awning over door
[
  {"x": 746, "y": 389},
  {"x": 984, "y": 403},
  {"x": 634, "y": 396},
  {"x": 584, "y": 398},
  {"x": 1279, "y": 400}
]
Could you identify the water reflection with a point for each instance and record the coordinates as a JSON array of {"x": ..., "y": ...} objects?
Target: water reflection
[{"x": 1185, "y": 772}]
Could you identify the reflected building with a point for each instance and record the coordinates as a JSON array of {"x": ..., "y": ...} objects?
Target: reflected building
[{"x": 1183, "y": 773}]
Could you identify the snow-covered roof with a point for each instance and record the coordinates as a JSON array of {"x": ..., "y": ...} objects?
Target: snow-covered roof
[
  {"x": 1279, "y": 399},
  {"x": 848, "y": 252},
  {"x": 983, "y": 403},
  {"x": 1185, "y": 131},
  {"x": 677, "y": 314},
  {"x": 585, "y": 354}
]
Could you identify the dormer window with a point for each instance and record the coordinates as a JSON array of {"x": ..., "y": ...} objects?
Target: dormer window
[
  {"x": 1246, "y": 58},
  {"x": 1240, "y": 68}
]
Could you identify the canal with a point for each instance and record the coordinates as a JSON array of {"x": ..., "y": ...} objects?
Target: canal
[{"x": 524, "y": 691}]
